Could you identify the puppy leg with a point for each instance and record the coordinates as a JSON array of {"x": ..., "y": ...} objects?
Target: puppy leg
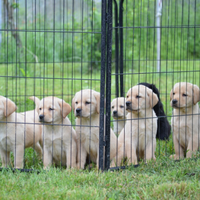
[
  {"x": 71, "y": 156},
  {"x": 179, "y": 153},
  {"x": 38, "y": 149},
  {"x": 47, "y": 158},
  {"x": 97, "y": 158},
  {"x": 192, "y": 147},
  {"x": 82, "y": 155},
  {"x": 131, "y": 154},
  {"x": 19, "y": 156},
  {"x": 74, "y": 153},
  {"x": 5, "y": 157},
  {"x": 150, "y": 151},
  {"x": 41, "y": 142},
  {"x": 68, "y": 158},
  {"x": 120, "y": 155}
]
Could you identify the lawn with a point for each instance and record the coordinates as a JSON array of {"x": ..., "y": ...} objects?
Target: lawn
[{"x": 163, "y": 179}]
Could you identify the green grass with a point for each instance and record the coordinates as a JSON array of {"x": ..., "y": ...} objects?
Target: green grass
[{"x": 163, "y": 179}]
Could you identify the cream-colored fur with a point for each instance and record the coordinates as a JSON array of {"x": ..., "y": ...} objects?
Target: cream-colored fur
[
  {"x": 12, "y": 128},
  {"x": 139, "y": 134},
  {"x": 119, "y": 112},
  {"x": 58, "y": 133},
  {"x": 184, "y": 98},
  {"x": 33, "y": 117},
  {"x": 86, "y": 106}
]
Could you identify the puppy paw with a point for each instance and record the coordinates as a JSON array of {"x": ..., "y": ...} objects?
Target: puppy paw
[
  {"x": 79, "y": 166},
  {"x": 112, "y": 164},
  {"x": 175, "y": 157},
  {"x": 134, "y": 162},
  {"x": 172, "y": 156}
]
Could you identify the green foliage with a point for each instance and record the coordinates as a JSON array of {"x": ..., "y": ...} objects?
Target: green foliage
[
  {"x": 79, "y": 39},
  {"x": 24, "y": 72},
  {"x": 15, "y": 5},
  {"x": 179, "y": 33}
]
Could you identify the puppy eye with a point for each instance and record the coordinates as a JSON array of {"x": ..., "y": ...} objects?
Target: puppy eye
[
  {"x": 184, "y": 95},
  {"x": 127, "y": 96},
  {"x": 51, "y": 109},
  {"x": 40, "y": 108},
  {"x": 112, "y": 107},
  {"x": 87, "y": 102},
  {"x": 76, "y": 102},
  {"x": 138, "y": 96},
  {"x": 173, "y": 93},
  {"x": 121, "y": 106}
]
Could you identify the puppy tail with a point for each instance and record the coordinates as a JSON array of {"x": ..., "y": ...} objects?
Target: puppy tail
[{"x": 36, "y": 100}]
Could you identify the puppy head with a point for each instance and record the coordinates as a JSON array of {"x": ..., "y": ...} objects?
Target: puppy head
[
  {"x": 86, "y": 103},
  {"x": 53, "y": 109},
  {"x": 118, "y": 108},
  {"x": 184, "y": 95},
  {"x": 140, "y": 98},
  {"x": 7, "y": 107}
]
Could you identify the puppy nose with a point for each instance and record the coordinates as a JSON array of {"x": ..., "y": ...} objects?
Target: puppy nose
[
  {"x": 78, "y": 110},
  {"x": 114, "y": 112},
  {"x": 41, "y": 117},
  {"x": 128, "y": 103},
  {"x": 174, "y": 101}
]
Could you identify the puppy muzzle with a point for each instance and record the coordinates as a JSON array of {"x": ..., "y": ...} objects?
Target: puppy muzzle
[
  {"x": 115, "y": 113},
  {"x": 41, "y": 118},
  {"x": 128, "y": 105},
  {"x": 130, "y": 108},
  {"x": 174, "y": 103},
  {"x": 78, "y": 112}
]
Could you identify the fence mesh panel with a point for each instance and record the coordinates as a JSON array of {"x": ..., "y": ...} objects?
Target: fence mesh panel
[{"x": 87, "y": 53}]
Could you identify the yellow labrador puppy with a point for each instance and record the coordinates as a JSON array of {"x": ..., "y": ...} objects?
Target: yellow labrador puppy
[
  {"x": 12, "y": 128},
  {"x": 119, "y": 112},
  {"x": 86, "y": 106},
  {"x": 139, "y": 134},
  {"x": 184, "y": 98},
  {"x": 58, "y": 133}
]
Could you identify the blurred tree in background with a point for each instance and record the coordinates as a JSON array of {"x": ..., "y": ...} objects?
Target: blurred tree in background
[{"x": 70, "y": 31}]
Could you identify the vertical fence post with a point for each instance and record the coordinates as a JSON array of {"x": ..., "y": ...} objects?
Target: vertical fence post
[
  {"x": 106, "y": 56},
  {"x": 119, "y": 59},
  {"x": 108, "y": 84},
  {"x": 158, "y": 15},
  {"x": 102, "y": 89},
  {"x": 121, "y": 46},
  {"x": 116, "y": 50}
]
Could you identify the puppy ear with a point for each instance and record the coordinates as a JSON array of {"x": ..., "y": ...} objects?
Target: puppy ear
[
  {"x": 65, "y": 108},
  {"x": 97, "y": 97},
  {"x": 153, "y": 98},
  {"x": 37, "y": 102},
  {"x": 9, "y": 107},
  {"x": 196, "y": 94}
]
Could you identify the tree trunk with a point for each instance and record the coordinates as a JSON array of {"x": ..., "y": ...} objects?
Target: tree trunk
[
  {"x": 15, "y": 34},
  {"x": 11, "y": 23}
]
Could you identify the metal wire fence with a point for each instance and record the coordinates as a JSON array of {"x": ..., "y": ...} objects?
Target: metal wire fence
[{"x": 74, "y": 58}]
